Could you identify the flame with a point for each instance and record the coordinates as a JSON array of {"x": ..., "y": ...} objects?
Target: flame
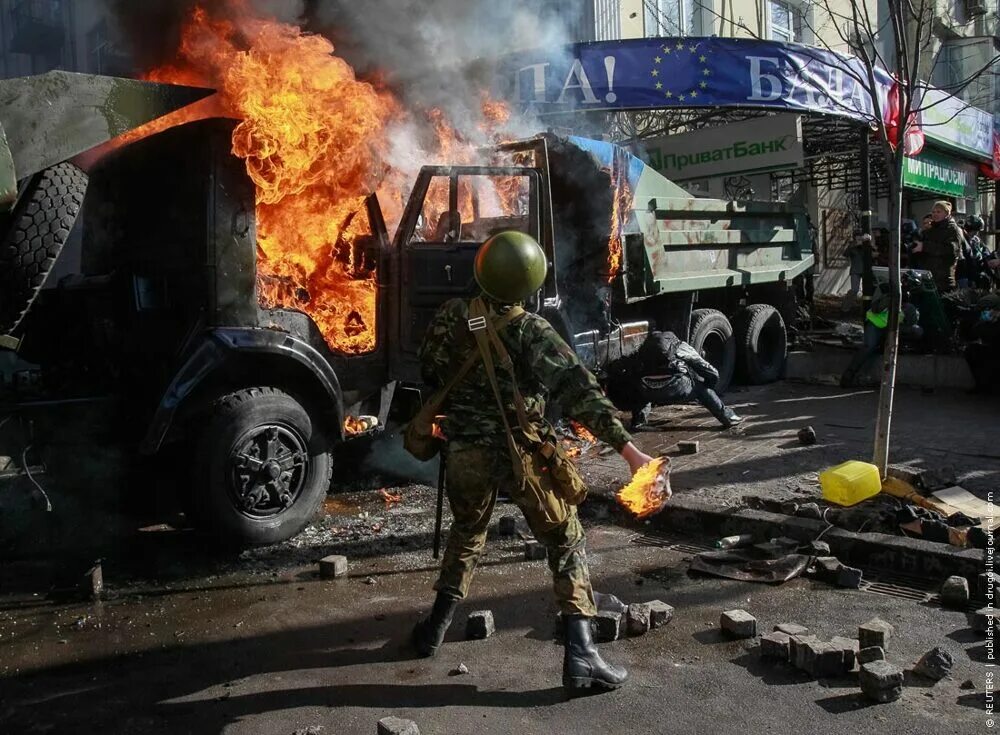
[
  {"x": 582, "y": 433},
  {"x": 316, "y": 142},
  {"x": 649, "y": 489},
  {"x": 354, "y": 425},
  {"x": 436, "y": 431},
  {"x": 390, "y": 498},
  {"x": 620, "y": 204},
  {"x": 572, "y": 451}
]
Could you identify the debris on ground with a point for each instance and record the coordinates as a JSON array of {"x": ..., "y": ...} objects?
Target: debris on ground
[
  {"x": 507, "y": 526},
  {"x": 333, "y": 566},
  {"x": 93, "y": 582},
  {"x": 660, "y": 613},
  {"x": 637, "y": 618},
  {"x": 459, "y": 670},
  {"x": 881, "y": 681},
  {"x": 311, "y": 730},
  {"x": 809, "y": 510},
  {"x": 871, "y": 653},
  {"x": 533, "y": 551},
  {"x": 775, "y": 645},
  {"x": 791, "y": 629},
  {"x": 738, "y": 624},
  {"x": 397, "y": 726},
  {"x": 687, "y": 447},
  {"x": 749, "y": 567},
  {"x": 849, "y": 577},
  {"x": 819, "y": 548},
  {"x": 955, "y": 592},
  {"x": 936, "y": 664},
  {"x": 480, "y": 625},
  {"x": 849, "y": 647},
  {"x": 967, "y": 685},
  {"x": 609, "y": 603},
  {"x": 984, "y": 619},
  {"x": 606, "y": 626},
  {"x": 735, "y": 542},
  {"x": 987, "y": 584},
  {"x": 876, "y": 632},
  {"x": 807, "y": 436}
]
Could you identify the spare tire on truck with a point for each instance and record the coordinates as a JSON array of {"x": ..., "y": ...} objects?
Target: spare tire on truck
[
  {"x": 712, "y": 336},
  {"x": 262, "y": 468},
  {"x": 761, "y": 344},
  {"x": 37, "y": 229}
]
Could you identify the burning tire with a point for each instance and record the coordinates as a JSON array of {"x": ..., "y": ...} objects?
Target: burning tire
[
  {"x": 761, "y": 344},
  {"x": 262, "y": 467},
  {"x": 38, "y": 228},
  {"x": 712, "y": 336}
]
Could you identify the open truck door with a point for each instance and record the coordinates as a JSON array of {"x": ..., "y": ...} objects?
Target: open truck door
[{"x": 452, "y": 211}]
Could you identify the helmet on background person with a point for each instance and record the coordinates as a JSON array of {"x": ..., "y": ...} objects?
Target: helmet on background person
[
  {"x": 510, "y": 266},
  {"x": 974, "y": 223}
]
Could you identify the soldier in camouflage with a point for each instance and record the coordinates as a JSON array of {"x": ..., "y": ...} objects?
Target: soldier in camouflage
[{"x": 510, "y": 267}]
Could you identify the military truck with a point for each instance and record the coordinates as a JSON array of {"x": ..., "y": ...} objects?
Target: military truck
[{"x": 159, "y": 308}]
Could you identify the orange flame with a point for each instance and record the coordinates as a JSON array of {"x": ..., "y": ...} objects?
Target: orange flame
[
  {"x": 620, "y": 204},
  {"x": 315, "y": 141},
  {"x": 570, "y": 449},
  {"x": 649, "y": 489},
  {"x": 390, "y": 498},
  {"x": 582, "y": 433},
  {"x": 354, "y": 425},
  {"x": 436, "y": 431}
]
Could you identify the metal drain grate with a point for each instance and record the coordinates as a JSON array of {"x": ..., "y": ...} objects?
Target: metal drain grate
[{"x": 673, "y": 542}]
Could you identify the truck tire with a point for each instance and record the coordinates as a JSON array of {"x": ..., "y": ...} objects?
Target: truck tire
[
  {"x": 712, "y": 336},
  {"x": 761, "y": 344},
  {"x": 38, "y": 228},
  {"x": 262, "y": 468}
]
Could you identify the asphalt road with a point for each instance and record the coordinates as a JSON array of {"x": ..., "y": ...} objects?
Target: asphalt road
[{"x": 282, "y": 651}]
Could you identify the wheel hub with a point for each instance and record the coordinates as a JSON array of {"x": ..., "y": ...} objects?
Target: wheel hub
[{"x": 267, "y": 469}]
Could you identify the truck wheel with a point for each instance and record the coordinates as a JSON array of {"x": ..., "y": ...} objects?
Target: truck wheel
[
  {"x": 712, "y": 336},
  {"x": 39, "y": 227},
  {"x": 761, "y": 344},
  {"x": 262, "y": 467}
]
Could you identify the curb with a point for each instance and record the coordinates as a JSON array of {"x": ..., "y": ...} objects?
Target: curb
[{"x": 877, "y": 551}]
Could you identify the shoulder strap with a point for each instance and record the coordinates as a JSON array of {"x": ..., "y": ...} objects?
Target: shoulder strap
[
  {"x": 508, "y": 365},
  {"x": 472, "y": 359}
]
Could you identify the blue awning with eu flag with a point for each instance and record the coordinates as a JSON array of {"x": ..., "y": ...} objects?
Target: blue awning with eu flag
[{"x": 691, "y": 72}]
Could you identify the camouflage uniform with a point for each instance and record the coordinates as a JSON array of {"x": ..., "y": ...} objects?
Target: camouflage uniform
[{"x": 478, "y": 460}]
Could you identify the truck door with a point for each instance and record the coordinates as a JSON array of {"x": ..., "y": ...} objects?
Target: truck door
[{"x": 451, "y": 212}]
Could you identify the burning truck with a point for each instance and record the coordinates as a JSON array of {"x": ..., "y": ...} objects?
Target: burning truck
[{"x": 249, "y": 330}]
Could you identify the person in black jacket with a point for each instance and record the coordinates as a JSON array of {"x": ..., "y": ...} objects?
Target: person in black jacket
[{"x": 663, "y": 371}]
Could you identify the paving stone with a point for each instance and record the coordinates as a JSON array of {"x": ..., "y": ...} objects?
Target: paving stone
[
  {"x": 849, "y": 577},
  {"x": 660, "y": 613},
  {"x": 875, "y": 632},
  {"x": 331, "y": 567},
  {"x": 872, "y": 653},
  {"x": 775, "y": 645},
  {"x": 800, "y": 653},
  {"x": 935, "y": 664},
  {"x": 687, "y": 447},
  {"x": 881, "y": 681},
  {"x": 987, "y": 583},
  {"x": 607, "y": 626},
  {"x": 828, "y": 660},
  {"x": 850, "y": 648},
  {"x": 738, "y": 624},
  {"x": 955, "y": 592},
  {"x": 903, "y": 473},
  {"x": 533, "y": 551},
  {"x": 507, "y": 526},
  {"x": 609, "y": 602},
  {"x": 827, "y": 567},
  {"x": 939, "y": 479},
  {"x": 984, "y": 619},
  {"x": 637, "y": 618},
  {"x": 397, "y": 726},
  {"x": 480, "y": 625},
  {"x": 791, "y": 628},
  {"x": 809, "y": 510},
  {"x": 807, "y": 436},
  {"x": 819, "y": 548}
]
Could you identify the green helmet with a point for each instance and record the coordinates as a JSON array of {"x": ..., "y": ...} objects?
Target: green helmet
[{"x": 510, "y": 266}]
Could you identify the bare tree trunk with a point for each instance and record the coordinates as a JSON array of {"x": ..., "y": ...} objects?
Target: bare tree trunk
[{"x": 891, "y": 354}]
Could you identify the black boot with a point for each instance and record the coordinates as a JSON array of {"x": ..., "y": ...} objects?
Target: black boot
[
  {"x": 710, "y": 400},
  {"x": 583, "y": 666},
  {"x": 428, "y": 634}
]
